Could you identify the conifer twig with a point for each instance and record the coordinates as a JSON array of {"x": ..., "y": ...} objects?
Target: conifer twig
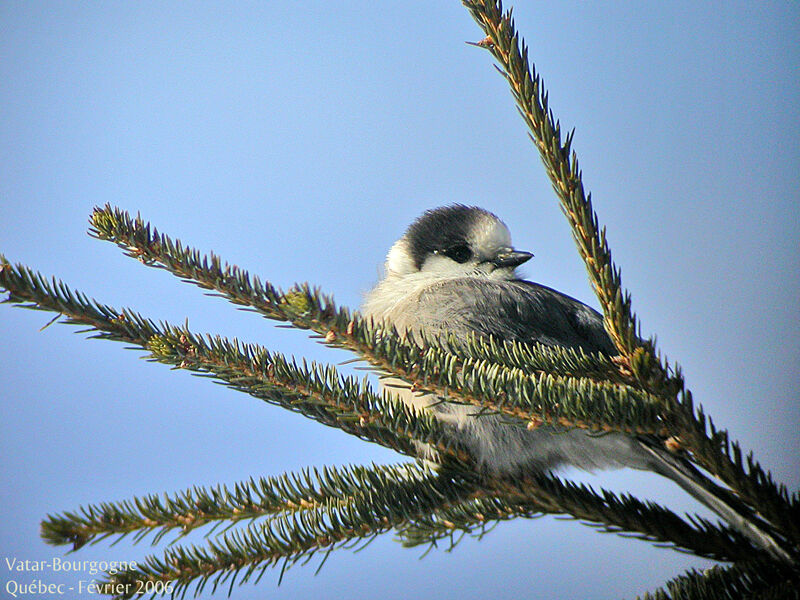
[
  {"x": 561, "y": 164},
  {"x": 314, "y": 391},
  {"x": 639, "y": 358},
  {"x": 462, "y": 371},
  {"x": 194, "y": 508},
  {"x": 712, "y": 449},
  {"x": 241, "y": 555},
  {"x": 303, "y": 514},
  {"x": 418, "y": 507},
  {"x": 624, "y": 514},
  {"x": 754, "y": 578}
]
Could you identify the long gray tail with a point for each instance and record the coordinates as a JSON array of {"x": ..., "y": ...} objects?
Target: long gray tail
[{"x": 716, "y": 498}]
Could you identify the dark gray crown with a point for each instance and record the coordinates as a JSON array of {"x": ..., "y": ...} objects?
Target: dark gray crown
[{"x": 440, "y": 229}]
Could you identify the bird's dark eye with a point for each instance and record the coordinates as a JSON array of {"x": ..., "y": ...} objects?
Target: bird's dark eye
[{"x": 460, "y": 253}]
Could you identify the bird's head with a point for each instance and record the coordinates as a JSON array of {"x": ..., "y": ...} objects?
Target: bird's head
[{"x": 456, "y": 241}]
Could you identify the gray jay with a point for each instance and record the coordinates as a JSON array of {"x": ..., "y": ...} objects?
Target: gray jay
[{"x": 453, "y": 272}]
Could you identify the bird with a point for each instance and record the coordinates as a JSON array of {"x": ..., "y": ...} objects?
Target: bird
[{"x": 453, "y": 273}]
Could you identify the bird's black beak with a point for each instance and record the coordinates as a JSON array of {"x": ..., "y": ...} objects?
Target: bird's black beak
[{"x": 511, "y": 258}]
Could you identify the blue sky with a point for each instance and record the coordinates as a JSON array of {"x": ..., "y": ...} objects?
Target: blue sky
[{"x": 298, "y": 140}]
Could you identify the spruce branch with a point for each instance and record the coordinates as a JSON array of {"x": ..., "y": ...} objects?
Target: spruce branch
[
  {"x": 538, "y": 358},
  {"x": 288, "y": 538},
  {"x": 561, "y": 164},
  {"x": 418, "y": 506},
  {"x": 255, "y": 371},
  {"x": 197, "y": 507},
  {"x": 543, "y": 398},
  {"x": 537, "y": 495},
  {"x": 492, "y": 387},
  {"x": 312, "y": 390},
  {"x": 482, "y": 372},
  {"x": 639, "y": 358},
  {"x": 449, "y": 368},
  {"x": 307, "y": 308},
  {"x": 311, "y": 512},
  {"x": 755, "y": 579},
  {"x": 713, "y": 450},
  {"x": 625, "y": 513}
]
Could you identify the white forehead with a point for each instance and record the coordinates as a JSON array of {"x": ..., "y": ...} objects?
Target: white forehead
[{"x": 489, "y": 234}]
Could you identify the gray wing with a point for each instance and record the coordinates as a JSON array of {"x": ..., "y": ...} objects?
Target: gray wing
[{"x": 513, "y": 310}]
